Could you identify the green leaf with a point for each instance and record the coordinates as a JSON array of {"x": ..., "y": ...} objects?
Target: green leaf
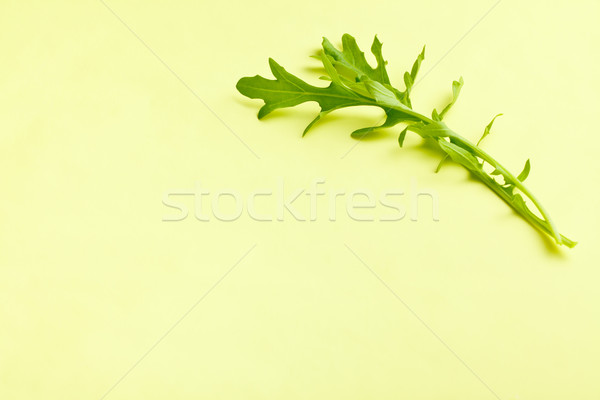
[
  {"x": 456, "y": 87},
  {"x": 408, "y": 81},
  {"x": 395, "y": 110},
  {"x": 393, "y": 117},
  {"x": 439, "y": 166},
  {"x": 314, "y": 121},
  {"x": 381, "y": 93},
  {"x": 385, "y": 96},
  {"x": 433, "y": 129},
  {"x": 460, "y": 155},
  {"x": 352, "y": 65},
  {"x": 353, "y": 82},
  {"x": 381, "y": 72},
  {"x": 288, "y": 91},
  {"x": 519, "y": 203},
  {"x": 525, "y": 173},
  {"x": 351, "y": 62},
  {"x": 487, "y": 129},
  {"x": 330, "y": 69},
  {"x": 417, "y": 65},
  {"x": 402, "y": 136},
  {"x": 410, "y": 78}
]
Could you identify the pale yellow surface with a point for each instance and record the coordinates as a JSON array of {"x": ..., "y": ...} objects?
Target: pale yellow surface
[{"x": 95, "y": 130}]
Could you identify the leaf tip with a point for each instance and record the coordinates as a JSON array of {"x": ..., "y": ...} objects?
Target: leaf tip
[
  {"x": 263, "y": 112},
  {"x": 402, "y": 136},
  {"x": 347, "y": 36},
  {"x": 360, "y": 133},
  {"x": 274, "y": 66},
  {"x": 238, "y": 85}
]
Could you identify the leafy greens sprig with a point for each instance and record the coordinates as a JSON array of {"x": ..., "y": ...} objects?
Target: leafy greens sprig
[{"x": 354, "y": 82}]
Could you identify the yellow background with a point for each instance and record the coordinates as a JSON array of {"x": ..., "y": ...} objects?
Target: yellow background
[{"x": 95, "y": 130}]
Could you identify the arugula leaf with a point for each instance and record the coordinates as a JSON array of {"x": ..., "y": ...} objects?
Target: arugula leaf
[
  {"x": 460, "y": 155},
  {"x": 352, "y": 67},
  {"x": 354, "y": 82},
  {"x": 456, "y": 88},
  {"x": 411, "y": 78},
  {"x": 402, "y": 136},
  {"x": 485, "y": 133},
  {"x": 487, "y": 129},
  {"x": 525, "y": 173},
  {"x": 393, "y": 118},
  {"x": 288, "y": 91},
  {"x": 352, "y": 62}
]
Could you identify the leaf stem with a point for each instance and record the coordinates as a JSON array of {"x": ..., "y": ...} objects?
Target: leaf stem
[
  {"x": 546, "y": 224},
  {"x": 509, "y": 178}
]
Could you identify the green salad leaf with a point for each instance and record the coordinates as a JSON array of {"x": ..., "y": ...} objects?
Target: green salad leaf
[{"x": 354, "y": 82}]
